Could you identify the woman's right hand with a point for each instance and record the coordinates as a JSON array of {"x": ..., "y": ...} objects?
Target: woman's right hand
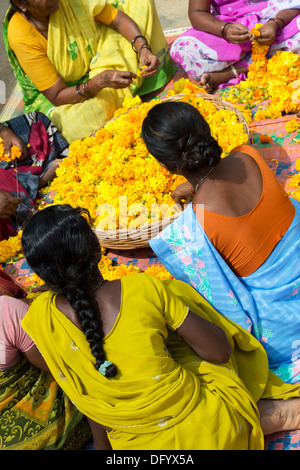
[
  {"x": 114, "y": 79},
  {"x": 10, "y": 139},
  {"x": 237, "y": 33},
  {"x": 8, "y": 204},
  {"x": 182, "y": 194}
]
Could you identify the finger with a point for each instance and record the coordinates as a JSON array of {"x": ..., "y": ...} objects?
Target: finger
[{"x": 128, "y": 75}]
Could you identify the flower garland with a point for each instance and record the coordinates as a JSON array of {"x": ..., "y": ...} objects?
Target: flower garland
[
  {"x": 274, "y": 80},
  {"x": 15, "y": 152}
]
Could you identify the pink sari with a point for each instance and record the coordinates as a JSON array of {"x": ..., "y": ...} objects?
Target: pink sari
[{"x": 199, "y": 52}]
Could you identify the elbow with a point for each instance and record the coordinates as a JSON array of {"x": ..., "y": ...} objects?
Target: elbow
[
  {"x": 224, "y": 354},
  {"x": 196, "y": 18}
]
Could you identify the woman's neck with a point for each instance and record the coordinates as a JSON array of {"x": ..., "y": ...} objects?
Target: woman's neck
[
  {"x": 40, "y": 23},
  {"x": 198, "y": 178}
]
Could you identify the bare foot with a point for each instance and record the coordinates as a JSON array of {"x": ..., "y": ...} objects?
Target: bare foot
[
  {"x": 279, "y": 415},
  {"x": 211, "y": 80}
]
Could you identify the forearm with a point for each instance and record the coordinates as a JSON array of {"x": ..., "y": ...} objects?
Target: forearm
[
  {"x": 3, "y": 129},
  {"x": 207, "y": 340},
  {"x": 288, "y": 15},
  {"x": 60, "y": 94},
  {"x": 128, "y": 29},
  {"x": 101, "y": 441},
  {"x": 206, "y": 22}
]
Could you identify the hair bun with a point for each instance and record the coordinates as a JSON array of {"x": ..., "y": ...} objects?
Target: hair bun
[{"x": 201, "y": 151}]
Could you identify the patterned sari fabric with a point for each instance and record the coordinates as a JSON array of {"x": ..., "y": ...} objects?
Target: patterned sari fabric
[
  {"x": 36, "y": 414},
  {"x": 91, "y": 49},
  {"x": 164, "y": 396},
  {"x": 199, "y": 52},
  {"x": 265, "y": 303},
  {"x": 21, "y": 179}
]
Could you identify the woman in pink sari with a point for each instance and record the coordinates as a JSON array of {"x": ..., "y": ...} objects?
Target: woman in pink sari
[{"x": 216, "y": 49}]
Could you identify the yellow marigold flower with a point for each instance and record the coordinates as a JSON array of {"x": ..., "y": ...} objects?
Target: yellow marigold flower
[
  {"x": 11, "y": 249},
  {"x": 140, "y": 70},
  {"x": 292, "y": 126}
]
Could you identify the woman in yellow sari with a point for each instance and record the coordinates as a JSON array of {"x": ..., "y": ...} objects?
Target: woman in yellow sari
[
  {"x": 76, "y": 60},
  {"x": 151, "y": 364}
]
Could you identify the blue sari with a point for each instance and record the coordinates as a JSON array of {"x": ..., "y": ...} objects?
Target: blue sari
[{"x": 265, "y": 303}]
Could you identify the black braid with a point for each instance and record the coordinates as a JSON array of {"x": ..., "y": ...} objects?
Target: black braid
[
  {"x": 63, "y": 250},
  {"x": 89, "y": 316}
]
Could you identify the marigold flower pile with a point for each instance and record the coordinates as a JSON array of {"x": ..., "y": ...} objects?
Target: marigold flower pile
[{"x": 115, "y": 162}]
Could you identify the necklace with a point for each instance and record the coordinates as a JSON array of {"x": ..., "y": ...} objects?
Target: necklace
[
  {"x": 203, "y": 178},
  {"x": 31, "y": 20},
  {"x": 99, "y": 284}
]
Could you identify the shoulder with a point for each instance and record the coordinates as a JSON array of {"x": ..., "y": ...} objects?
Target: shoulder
[
  {"x": 246, "y": 150},
  {"x": 11, "y": 306},
  {"x": 142, "y": 283},
  {"x": 20, "y": 31}
]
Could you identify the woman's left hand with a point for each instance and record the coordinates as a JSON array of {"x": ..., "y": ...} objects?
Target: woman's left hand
[
  {"x": 151, "y": 61},
  {"x": 10, "y": 139},
  {"x": 267, "y": 33}
]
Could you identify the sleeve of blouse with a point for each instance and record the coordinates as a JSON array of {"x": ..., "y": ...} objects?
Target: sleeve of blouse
[
  {"x": 175, "y": 311},
  {"x": 30, "y": 49},
  {"x": 15, "y": 312},
  {"x": 107, "y": 15}
]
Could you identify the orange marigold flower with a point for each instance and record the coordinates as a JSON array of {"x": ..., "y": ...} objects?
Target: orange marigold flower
[
  {"x": 265, "y": 139},
  {"x": 255, "y": 32}
]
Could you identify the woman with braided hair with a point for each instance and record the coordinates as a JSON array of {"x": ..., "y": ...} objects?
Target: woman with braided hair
[
  {"x": 143, "y": 359},
  {"x": 237, "y": 242}
]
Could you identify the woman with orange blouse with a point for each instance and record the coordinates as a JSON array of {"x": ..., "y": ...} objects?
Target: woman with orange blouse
[{"x": 237, "y": 242}]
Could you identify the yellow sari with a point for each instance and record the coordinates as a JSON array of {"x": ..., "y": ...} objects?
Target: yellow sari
[
  {"x": 79, "y": 48},
  {"x": 164, "y": 396}
]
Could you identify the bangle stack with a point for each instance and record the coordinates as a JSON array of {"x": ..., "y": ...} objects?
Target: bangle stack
[
  {"x": 223, "y": 30},
  {"x": 279, "y": 21},
  {"x": 86, "y": 92},
  {"x": 144, "y": 46}
]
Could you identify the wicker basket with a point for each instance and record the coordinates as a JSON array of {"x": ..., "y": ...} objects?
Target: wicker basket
[
  {"x": 132, "y": 238},
  {"x": 139, "y": 238}
]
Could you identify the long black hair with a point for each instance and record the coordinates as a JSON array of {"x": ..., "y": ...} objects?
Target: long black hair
[
  {"x": 178, "y": 136},
  {"x": 63, "y": 250}
]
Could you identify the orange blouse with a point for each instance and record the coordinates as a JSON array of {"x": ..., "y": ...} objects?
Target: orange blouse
[{"x": 245, "y": 242}]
